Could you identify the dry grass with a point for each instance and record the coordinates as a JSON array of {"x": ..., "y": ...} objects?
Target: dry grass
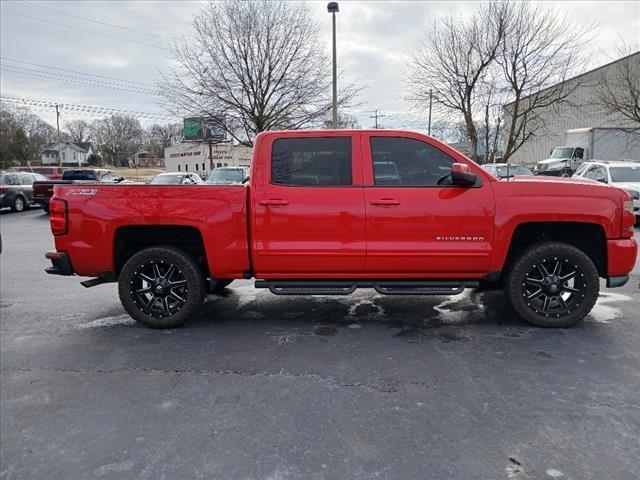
[{"x": 142, "y": 175}]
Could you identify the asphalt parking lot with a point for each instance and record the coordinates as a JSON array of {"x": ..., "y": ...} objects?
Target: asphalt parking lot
[{"x": 267, "y": 387}]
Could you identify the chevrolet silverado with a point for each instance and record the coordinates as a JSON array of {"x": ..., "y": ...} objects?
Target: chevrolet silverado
[{"x": 322, "y": 215}]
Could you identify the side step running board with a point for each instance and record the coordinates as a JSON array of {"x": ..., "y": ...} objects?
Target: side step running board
[{"x": 384, "y": 287}]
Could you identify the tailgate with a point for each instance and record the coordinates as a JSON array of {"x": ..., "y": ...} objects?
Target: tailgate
[{"x": 42, "y": 190}]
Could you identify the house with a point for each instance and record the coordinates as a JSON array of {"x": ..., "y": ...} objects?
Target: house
[
  {"x": 71, "y": 154},
  {"x": 144, "y": 158}
]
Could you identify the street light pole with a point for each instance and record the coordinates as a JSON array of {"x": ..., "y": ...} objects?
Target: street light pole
[
  {"x": 430, "y": 99},
  {"x": 332, "y": 8},
  {"x": 58, "y": 127}
]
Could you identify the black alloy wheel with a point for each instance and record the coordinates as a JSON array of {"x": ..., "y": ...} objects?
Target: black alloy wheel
[
  {"x": 554, "y": 287},
  {"x": 159, "y": 289}
]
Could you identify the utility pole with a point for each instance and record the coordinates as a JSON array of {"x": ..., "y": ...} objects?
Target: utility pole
[
  {"x": 375, "y": 116},
  {"x": 430, "y": 101},
  {"x": 59, "y": 145}
]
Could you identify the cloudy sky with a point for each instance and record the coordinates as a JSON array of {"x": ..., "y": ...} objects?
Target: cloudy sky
[{"x": 79, "y": 52}]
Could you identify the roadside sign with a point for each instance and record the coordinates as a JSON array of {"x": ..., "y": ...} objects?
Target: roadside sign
[{"x": 203, "y": 128}]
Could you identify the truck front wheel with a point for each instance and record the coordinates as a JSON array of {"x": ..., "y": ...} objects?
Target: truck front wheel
[
  {"x": 161, "y": 287},
  {"x": 553, "y": 284}
]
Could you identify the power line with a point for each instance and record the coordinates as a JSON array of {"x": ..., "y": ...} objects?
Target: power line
[
  {"x": 84, "y": 30},
  {"x": 88, "y": 109},
  {"x": 97, "y": 75},
  {"x": 71, "y": 81},
  {"x": 66, "y": 14}
]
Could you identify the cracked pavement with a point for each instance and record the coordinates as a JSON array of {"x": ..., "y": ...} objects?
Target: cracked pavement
[{"x": 267, "y": 387}]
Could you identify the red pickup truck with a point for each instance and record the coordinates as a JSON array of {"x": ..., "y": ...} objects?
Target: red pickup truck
[{"x": 328, "y": 211}]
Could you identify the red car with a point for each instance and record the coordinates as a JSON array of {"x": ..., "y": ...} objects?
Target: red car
[{"x": 327, "y": 212}]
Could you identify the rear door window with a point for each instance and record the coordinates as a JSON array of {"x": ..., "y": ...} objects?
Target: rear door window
[
  {"x": 409, "y": 162},
  {"x": 311, "y": 161}
]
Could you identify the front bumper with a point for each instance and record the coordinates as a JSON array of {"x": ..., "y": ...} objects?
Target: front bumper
[
  {"x": 621, "y": 258},
  {"x": 60, "y": 264}
]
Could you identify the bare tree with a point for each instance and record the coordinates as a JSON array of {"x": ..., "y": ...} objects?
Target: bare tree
[
  {"x": 79, "y": 131},
  {"x": 118, "y": 137},
  {"x": 540, "y": 51},
  {"x": 165, "y": 135},
  {"x": 453, "y": 58},
  {"x": 618, "y": 90},
  {"x": 344, "y": 121},
  {"x": 23, "y": 134},
  {"x": 258, "y": 63}
]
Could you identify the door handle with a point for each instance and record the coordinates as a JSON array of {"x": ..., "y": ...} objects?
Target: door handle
[
  {"x": 274, "y": 202},
  {"x": 385, "y": 202}
]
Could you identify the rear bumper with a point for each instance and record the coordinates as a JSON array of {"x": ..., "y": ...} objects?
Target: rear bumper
[
  {"x": 60, "y": 264},
  {"x": 41, "y": 201},
  {"x": 621, "y": 258}
]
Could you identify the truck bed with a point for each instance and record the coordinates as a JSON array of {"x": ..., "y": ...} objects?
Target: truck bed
[{"x": 98, "y": 211}]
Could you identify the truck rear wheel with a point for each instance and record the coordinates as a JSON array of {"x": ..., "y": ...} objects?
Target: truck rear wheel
[
  {"x": 161, "y": 287},
  {"x": 553, "y": 284}
]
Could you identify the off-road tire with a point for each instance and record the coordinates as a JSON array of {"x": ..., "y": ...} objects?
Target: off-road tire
[
  {"x": 192, "y": 291},
  {"x": 545, "y": 255}
]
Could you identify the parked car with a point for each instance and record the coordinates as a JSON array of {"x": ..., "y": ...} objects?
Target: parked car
[
  {"x": 504, "y": 170},
  {"x": 227, "y": 175},
  {"x": 43, "y": 191},
  {"x": 448, "y": 225},
  {"x": 176, "y": 178},
  {"x": 586, "y": 144},
  {"x": 624, "y": 174},
  {"x": 16, "y": 189},
  {"x": 53, "y": 173}
]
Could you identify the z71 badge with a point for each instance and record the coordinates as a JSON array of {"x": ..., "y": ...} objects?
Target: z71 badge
[{"x": 82, "y": 191}]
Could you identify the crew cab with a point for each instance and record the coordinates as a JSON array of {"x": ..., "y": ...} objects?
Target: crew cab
[
  {"x": 43, "y": 191},
  {"x": 321, "y": 216}
]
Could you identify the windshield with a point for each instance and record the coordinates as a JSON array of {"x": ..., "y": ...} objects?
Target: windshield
[
  {"x": 78, "y": 175},
  {"x": 227, "y": 175},
  {"x": 565, "y": 152},
  {"x": 513, "y": 170},
  {"x": 167, "y": 180},
  {"x": 625, "y": 174}
]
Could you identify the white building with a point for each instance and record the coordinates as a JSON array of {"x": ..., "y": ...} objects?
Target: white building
[
  {"x": 71, "y": 154},
  {"x": 581, "y": 110},
  {"x": 202, "y": 158}
]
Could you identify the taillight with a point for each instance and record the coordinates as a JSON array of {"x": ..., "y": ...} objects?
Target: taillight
[
  {"x": 3, "y": 189},
  {"x": 58, "y": 216},
  {"x": 628, "y": 218}
]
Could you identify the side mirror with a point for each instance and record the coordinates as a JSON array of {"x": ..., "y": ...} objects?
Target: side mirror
[
  {"x": 119, "y": 179},
  {"x": 601, "y": 180},
  {"x": 462, "y": 175}
]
